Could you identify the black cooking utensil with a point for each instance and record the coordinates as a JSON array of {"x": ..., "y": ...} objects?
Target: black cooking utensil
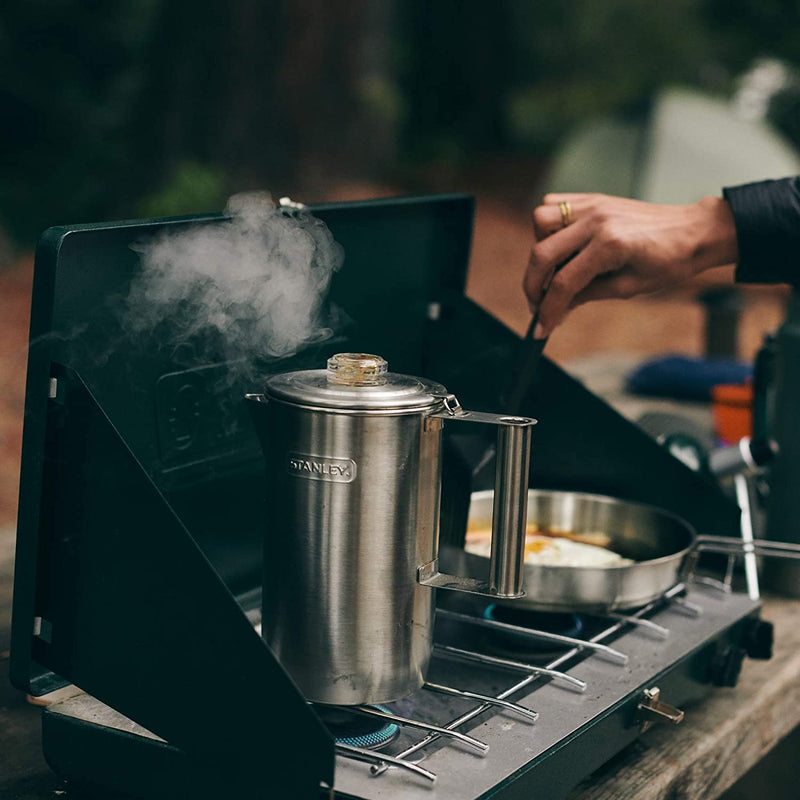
[
  {"x": 529, "y": 356},
  {"x": 527, "y": 361},
  {"x": 522, "y": 377},
  {"x": 457, "y": 490}
]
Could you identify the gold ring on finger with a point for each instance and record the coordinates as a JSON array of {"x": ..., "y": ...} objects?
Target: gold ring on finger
[{"x": 566, "y": 212}]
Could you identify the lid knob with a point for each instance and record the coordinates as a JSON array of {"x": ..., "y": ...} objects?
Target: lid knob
[{"x": 357, "y": 369}]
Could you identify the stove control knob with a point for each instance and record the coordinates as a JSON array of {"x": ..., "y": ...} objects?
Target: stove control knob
[
  {"x": 726, "y": 666},
  {"x": 652, "y": 709},
  {"x": 757, "y": 637}
]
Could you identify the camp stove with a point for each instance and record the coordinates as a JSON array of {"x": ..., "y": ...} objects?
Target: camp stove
[
  {"x": 500, "y": 714},
  {"x": 138, "y": 576}
]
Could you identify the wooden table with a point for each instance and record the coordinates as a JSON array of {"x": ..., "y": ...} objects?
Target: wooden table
[{"x": 24, "y": 775}]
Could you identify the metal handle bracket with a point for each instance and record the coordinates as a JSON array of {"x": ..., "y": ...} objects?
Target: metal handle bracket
[
  {"x": 429, "y": 575},
  {"x": 509, "y": 514}
]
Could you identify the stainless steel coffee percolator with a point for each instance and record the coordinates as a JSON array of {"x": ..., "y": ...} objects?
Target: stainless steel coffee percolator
[{"x": 354, "y": 481}]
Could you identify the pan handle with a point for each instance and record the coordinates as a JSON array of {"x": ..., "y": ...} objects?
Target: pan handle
[{"x": 730, "y": 545}]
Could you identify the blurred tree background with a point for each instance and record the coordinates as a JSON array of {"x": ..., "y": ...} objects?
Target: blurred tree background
[{"x": 129, "y": 108}]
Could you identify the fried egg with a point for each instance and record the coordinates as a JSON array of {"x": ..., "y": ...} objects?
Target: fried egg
[{"x": 553, "y": 551}]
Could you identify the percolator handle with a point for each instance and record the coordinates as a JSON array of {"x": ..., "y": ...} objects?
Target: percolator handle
[{"x": 510, "y": 506}]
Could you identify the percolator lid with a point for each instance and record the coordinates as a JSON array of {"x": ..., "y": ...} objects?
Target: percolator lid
[{"x": 355, "y": 382}]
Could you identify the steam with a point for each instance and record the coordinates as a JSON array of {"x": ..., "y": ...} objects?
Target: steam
[{"x": 254, "y": 286}]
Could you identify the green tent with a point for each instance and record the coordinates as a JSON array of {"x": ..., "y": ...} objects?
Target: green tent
[{"x": 688, "y": 145}]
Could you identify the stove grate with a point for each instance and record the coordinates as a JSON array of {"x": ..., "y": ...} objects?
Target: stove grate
[{"x": 576, "y": 651}]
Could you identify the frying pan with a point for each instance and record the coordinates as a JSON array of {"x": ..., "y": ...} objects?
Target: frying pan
[{"x": 663, "y": 547}]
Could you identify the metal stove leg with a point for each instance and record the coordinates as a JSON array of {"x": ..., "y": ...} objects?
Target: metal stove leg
[{"x": 750, "y": 564}]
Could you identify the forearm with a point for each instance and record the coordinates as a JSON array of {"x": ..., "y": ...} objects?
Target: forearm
[{"x": 712, "y": 229}]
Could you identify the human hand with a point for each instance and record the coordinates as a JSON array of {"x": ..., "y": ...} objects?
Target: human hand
[{"x": 613, "y": 247}]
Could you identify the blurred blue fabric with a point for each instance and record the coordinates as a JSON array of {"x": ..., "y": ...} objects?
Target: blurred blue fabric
[{"x": 685, "y": 378}]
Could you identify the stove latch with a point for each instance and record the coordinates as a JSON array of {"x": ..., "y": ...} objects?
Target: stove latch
[{"x": 651, "y": 710}]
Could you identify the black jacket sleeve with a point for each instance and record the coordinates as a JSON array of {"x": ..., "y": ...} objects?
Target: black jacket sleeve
[{"x": 767, "y": 218}]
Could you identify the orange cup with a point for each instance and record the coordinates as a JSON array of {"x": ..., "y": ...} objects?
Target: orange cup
[{"x": 732, "y": 411}]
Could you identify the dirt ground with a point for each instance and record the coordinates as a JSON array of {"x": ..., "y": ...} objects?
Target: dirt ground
[
  {"x": 671, "y": 322},
  {"x": 15, "y": 297}
]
